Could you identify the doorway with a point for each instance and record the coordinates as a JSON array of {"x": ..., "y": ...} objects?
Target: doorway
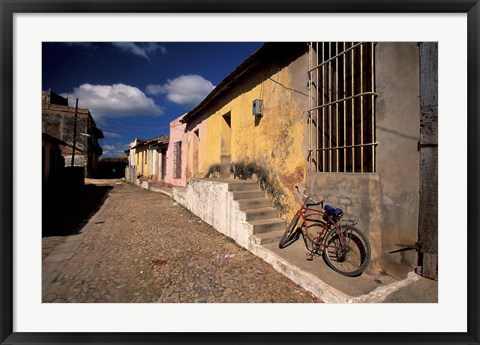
[
  {"x": 195, "y": 162},
  {"x": 225, "y": 146}
]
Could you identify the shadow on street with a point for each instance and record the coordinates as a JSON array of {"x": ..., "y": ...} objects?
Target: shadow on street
[{"x": 66, "y": 210}]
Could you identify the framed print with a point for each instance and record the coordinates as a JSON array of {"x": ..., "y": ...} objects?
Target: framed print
[{"x": 331, "y": 53}]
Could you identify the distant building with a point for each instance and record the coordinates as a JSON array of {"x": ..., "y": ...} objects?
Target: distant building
[
  {"x": 58, "y": 121},
  {"x": 112, "y": 167},
  {"x": 147, "y": 159}
]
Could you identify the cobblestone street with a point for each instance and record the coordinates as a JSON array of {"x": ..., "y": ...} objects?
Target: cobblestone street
[{"x": 142, "y": 247}]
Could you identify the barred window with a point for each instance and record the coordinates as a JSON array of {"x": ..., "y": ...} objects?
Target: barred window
[
  {"x": 177, "y": 160},
  {"x": 341, "y": 107}
]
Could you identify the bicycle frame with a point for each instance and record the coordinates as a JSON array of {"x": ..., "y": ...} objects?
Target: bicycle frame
[{"x": 310, "y": 217}]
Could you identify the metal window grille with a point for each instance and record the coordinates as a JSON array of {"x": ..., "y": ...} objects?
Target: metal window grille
[
  {"x": 177, "y": 160},
  {"x": 341, "y": 107}
]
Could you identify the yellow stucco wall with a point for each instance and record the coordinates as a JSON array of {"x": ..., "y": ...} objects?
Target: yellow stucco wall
[
  {"x": 273, "y": 142},
  {"x": 141, "y": 161}
]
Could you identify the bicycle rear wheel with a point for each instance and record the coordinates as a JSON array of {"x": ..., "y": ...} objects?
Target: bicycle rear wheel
[
  {"x": 290, "y": 233},
  {"x": 352, "y": 258}
]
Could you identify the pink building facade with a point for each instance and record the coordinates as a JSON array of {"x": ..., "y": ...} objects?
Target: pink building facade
[{"x": 175, "y": 173}]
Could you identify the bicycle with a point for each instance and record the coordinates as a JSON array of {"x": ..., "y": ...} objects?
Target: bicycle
[{"x": 344, "y": 247}]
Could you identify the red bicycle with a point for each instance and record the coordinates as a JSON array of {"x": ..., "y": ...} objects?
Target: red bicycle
[{"x": 344, "y": 247}]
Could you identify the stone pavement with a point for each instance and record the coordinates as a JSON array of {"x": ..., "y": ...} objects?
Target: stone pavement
[{"x": 142, "y": 247}]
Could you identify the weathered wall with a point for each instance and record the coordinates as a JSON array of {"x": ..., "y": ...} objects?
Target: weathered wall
[
  {"x": 359, "y": 196},
  {"x": 131, "y": 169},
  {"x": 61, "y": 126},
  {"x": 141, "y": 159},
  {"x": 151, "y": 162},
  {"x": 79, "y": 160},
  {"x": 59, "y": 122},
  {"x": 387, "y": 201},
  {"x": 272, "y": 142},
  {"x": 226, "y": 219},
  {"x": 161, "y": 153},
  {"x": 398, "y": 159},
  {"x": 177, "y": 133},
  {"x": 131, "y": 174}
]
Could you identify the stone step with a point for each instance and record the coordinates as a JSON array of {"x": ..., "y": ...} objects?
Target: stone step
[
  {"x": 261, "y": 213},
  {"x": 247, "y": 204},
  {"x": 242, "y": 186},
  {"x": 248, "y": 194},
  {"x": 268, "y": 237},
  {"x": 267, "y": 225}
]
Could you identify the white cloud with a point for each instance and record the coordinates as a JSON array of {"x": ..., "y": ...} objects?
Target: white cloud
[
  {"x": 145, "y": 50},
  {"x": 114, "y": 150},
  {"x": 117, "y": 100},
  {"x": 108, "y": 147},
  {"x": 111, "y": 134},
  {"x": 185, "y": 89}
]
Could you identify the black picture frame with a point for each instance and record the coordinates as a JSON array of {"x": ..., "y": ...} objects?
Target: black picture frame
[{"x": 10, "y": 7}]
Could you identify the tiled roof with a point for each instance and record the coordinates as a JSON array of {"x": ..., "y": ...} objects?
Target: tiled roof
[{"x": 161, "y": 140}]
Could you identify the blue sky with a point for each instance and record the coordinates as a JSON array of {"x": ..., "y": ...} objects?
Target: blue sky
[{"x": 135, "y": 89}]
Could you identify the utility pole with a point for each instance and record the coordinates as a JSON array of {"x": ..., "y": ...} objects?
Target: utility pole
[{"x": 74, "y": 132}]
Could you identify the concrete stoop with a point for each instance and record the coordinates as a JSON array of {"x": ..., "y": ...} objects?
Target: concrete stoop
[
  {"x": 267, "y": 227},
  {"x": 153, "y": 186},
  {"x": 239, "y": 210}
]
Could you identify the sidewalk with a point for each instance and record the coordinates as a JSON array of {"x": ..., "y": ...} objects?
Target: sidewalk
[
  {"x": 332, "y": 287},
  {"x": 159, "y": 187}
]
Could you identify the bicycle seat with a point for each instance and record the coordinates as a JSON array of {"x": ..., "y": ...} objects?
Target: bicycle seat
[{"x": 332, "y": 210}]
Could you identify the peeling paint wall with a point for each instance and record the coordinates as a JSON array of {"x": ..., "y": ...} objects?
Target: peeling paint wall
[{"x": 272, "y": 142}]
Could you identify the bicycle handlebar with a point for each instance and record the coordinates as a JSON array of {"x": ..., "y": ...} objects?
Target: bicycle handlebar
[{"x": 315, "y": 202}]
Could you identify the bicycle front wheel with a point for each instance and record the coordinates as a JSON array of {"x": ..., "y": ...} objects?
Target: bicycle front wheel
[
  {"x": 350, "y": 258},
  {"x": 290, "y": 233}
]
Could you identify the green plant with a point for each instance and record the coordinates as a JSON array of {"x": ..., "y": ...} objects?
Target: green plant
[
  {"x": 213, "y": 171},
  {"x": 267, "y": 181}
]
